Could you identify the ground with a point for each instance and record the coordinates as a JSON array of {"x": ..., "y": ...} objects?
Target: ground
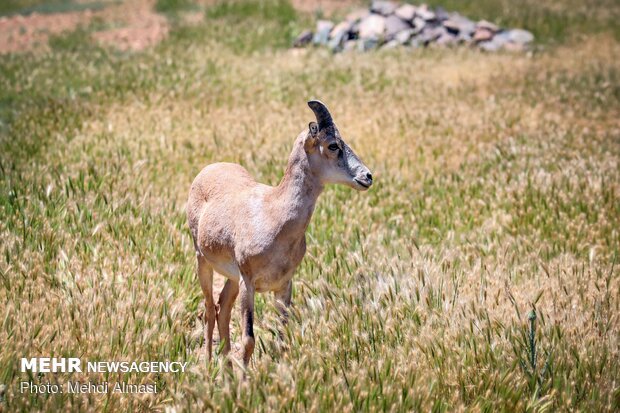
[{"x": 479, "y": 273}]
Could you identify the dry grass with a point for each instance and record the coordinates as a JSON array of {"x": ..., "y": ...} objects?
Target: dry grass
[{"x": 498, "y": 192}]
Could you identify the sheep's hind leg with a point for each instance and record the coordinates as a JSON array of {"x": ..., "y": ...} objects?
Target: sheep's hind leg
[
  {"x": 225, "y": 305},
  {"x": 205, "y": 275},
  {"x": 247, "y": 319}
]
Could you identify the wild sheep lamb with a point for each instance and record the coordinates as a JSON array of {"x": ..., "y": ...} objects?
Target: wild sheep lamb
[{"x": 254, "y": 234}]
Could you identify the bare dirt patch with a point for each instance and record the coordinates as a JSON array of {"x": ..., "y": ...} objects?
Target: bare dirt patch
[
  {"x": 142, "y": 28},
  {"x": 24, "y": 33},
  {"x": 132, "y": 26}
]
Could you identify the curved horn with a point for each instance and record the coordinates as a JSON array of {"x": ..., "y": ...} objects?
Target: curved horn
[{"x": 323, "y": 117}]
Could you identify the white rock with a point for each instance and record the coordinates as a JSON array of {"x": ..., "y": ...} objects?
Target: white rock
[
  {"x": 406, "y": 12},
  {"x": 394, "y": 25},
  {"x": 323, "y": 28},
  {"x": 404, "y": 36},
  {"x": 372, "y": 26},
  {"x": 520, "y": 36},
  {"x": 425, "y": 13},
  {"x": 483, "y": 24},
  {"x": 342, "y": 27},
  {"x": 384, "y": 8}
]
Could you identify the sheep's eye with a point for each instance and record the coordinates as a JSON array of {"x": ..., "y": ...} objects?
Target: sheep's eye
[{"x": 333, "y": 147}]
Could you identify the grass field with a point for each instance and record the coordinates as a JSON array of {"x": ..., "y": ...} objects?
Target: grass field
[{"x": 479, "y": 273}]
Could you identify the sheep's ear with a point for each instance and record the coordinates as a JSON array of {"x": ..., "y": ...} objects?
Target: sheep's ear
[
  {"x": 314, "y": 129},
  {"x": 312, "y": 137}
]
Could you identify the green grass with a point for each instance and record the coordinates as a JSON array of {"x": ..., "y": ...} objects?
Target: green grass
[
  {"x": 25, "y": 7},
  {"x": 174, "y": 6},
  {"x": 497, "y": 193},
  {"x": 251, "y": 26},
  {"x": 552, "y": 21}
]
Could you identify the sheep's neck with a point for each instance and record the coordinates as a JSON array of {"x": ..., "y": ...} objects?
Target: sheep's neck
[{"x": 298, "y": 191}]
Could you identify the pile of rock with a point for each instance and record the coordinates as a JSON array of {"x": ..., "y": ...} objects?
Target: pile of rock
[{"x": 387, "y": 24}]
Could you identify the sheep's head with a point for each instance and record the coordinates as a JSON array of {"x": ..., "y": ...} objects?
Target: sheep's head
[{"x": 332, "y": 159}]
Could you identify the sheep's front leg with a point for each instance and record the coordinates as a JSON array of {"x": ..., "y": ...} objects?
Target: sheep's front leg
[{"x": 247, "y": 318}]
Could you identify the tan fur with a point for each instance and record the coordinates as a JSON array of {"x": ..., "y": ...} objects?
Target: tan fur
[{"x": 254, "y": 234}]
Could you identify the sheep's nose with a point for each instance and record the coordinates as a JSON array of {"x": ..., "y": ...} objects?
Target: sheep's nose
[{"x": 369, "y": 176}]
